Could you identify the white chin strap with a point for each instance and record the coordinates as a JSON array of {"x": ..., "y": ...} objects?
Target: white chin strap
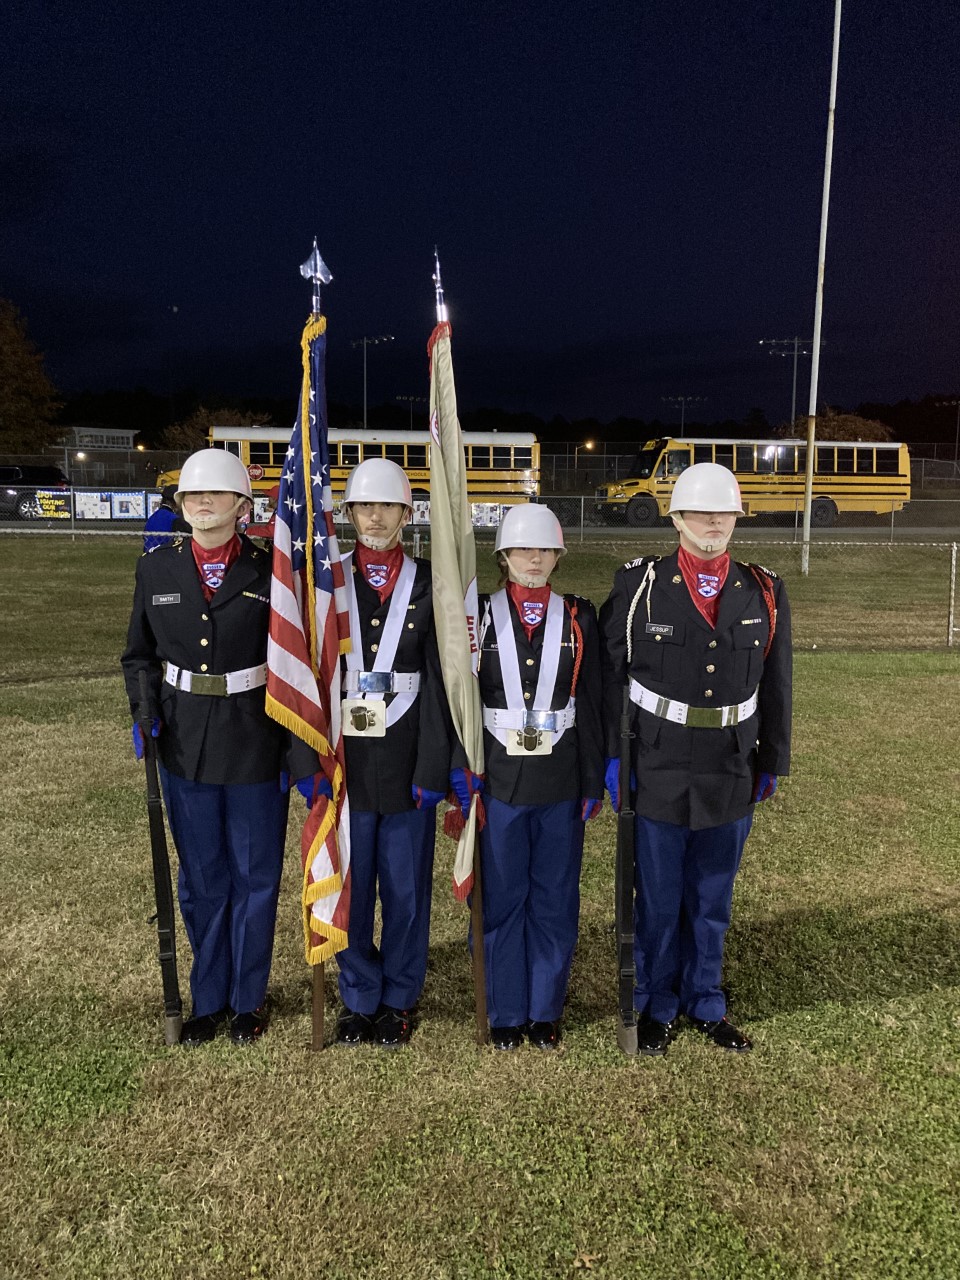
[
  {"x": 386, "y": 543},
  {"x": 526, "y": 579},
  {"x": 712, "y": 546},
  {"x": 206, "y": 523}
]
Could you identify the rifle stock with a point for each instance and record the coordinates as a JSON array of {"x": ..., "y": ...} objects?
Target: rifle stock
[
  {"x": 626, "y": 823},
  {"x": 166, "y": 925}
]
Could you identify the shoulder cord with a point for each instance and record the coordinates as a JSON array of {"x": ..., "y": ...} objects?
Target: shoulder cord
[
  {"x": 576, "y": 639},
  {"x": 481, "y": 635},
  {"x": 769, "y": 600},
  {"x": 646, "y": 584}
]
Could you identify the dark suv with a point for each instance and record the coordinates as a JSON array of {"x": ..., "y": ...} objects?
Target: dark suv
[{"x": 19, "y": 485}]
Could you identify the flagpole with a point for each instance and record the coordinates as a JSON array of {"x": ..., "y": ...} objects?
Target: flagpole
[
  {"x": 316, "y": 270},
  {"x": 438, "y": 459}
]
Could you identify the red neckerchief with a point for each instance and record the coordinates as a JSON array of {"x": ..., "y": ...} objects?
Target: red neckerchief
[
  {"x": 530, "y": 604},
  {"x": 705, "y": 579},
  {"x": 380, "y": 568},
  {"x": 212, "y": 564}
]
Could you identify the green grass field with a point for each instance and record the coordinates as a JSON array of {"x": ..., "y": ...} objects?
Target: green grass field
[{"x": 832, "y": 1150}]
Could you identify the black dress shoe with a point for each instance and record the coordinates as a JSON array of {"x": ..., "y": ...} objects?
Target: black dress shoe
[
  {"x": 653, "y": 1038},
  {"x": 394, "y": 1027},
  {"x": 247, "y": 1028},
  {"x": 202, "y": 1029},
  {"x": 544, "y": 1035},
  {"x": 354, "y": 1028},
  {"x": 723, "y": 1034},
  {"x": 506, "y": 1038}
]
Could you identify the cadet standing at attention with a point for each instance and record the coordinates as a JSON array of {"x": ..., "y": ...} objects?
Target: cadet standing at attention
[
  {"x": 398, "y": 736},
  {"x": 539, "y": 679},
  {"x": 199, "y": 631},
  {"x": 703, "y": 643}
]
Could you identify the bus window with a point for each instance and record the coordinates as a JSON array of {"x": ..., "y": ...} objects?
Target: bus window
[
  {"x": 677, "y": 461},
  {"x": 395, "y": 453},
  {"x": 801, "y": 460},
  {"x": 502, "y": 457},
  {"x": 349, "y": 455},
  {"x": 723, "y": 455},
  {"x": 744, "y": 455},
  {"x": 644, "y": 462},
  {"x": 826, "y": 465},
  {"x": 480, "y": 456},
  {"x": 372, "y": 451},
  {"x": 231, "y": 446},
  {"x": 845, "y": 462},
  {"x": 787, "y": 459},
  {"x": 522, "y": 458},
  {"x": 864, "y": 462},
  {"x": 416, "y": 455},
  {"x": 766, "y": 456},
  {"x": 260, "y": 452},
  {"x": 887, "y": 462},
  {"x": 703, "y": 453}
]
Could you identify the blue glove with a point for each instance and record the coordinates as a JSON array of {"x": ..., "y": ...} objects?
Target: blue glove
[
  {"x": 316, "y": 784},
  {"x": 764, "y": 786},
  {"x": 589, "y": 809},
  {"x": 137, "y": 735},
  {"x": 466, "y": 784},
  {"x": 611, "y": 780},
  {"x": 424, "y": 798}
]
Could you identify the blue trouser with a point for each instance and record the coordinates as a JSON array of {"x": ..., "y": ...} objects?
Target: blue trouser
[
  {"x": 684, "y": 898},
  {"x": 230, "y": 842},
  {"x": 531, "y": 856},
  {"x": 395, "y": 849}
]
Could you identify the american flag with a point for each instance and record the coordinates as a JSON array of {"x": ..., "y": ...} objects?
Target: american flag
[{"x": 309, "y": 629}]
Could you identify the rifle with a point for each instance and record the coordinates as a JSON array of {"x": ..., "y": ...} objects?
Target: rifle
[
  {"x": 626, "y": 823},
  {"x": 166, "y": 935}
]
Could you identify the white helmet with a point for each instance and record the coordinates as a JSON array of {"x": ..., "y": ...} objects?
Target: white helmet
[
  {"x": 214, "y": 471},
  {"x": 530, "y": 524},
  {"x": 378, "y": 480},
  {"x": 706, "y": 486}
]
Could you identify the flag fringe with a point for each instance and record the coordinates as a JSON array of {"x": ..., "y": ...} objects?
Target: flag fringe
[
  {"x": 322, "y": 889},
  {"x": 298, "y": 726},
  {"x": 462, "y": 891},
  {"x": 327, "y": 950}
]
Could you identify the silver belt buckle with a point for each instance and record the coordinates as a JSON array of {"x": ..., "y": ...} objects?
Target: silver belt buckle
[
  {"x": 209, "y": 686},
  {"x": 540, "y": 721},
  {"x": 375, "y": 682}
]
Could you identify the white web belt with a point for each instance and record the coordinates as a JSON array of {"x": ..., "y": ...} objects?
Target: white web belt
[
  {"x": 554, "y": 721},
  {"x": 216, "y": 686},
  {"x": 381, "y": 682},
  {"x": 693, "y": 717}
]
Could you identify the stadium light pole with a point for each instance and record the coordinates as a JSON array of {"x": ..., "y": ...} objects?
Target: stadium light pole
[
  {"x": 818, "y": 305},
  {"x": 943, "y": 404},
  {"x": 683, "y": 401},
  {"x": 411, "y": 401},
  {"x": 368, "y": 342},
  {"x": 782, "y": 347}
]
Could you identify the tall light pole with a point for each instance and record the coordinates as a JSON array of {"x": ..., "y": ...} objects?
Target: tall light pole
[
  {"x": 789, "y": 346},
  {"x": 943, "y": 404},
  {"x": 411, "y": 401},
  {"x": 683, "y": 401},
  {"x": 368, "y": 342}
]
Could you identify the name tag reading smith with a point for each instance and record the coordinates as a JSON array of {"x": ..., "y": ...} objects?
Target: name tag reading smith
[
  {"x": 658, "y": 629},
  {"x": 172, "y": 598}
]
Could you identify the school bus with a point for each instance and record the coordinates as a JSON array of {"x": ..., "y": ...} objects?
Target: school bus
[
  {"x": 867, "y": 476},
  {"x": 502, "y": 467}
]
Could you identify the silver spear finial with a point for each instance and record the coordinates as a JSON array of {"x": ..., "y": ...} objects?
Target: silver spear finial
[
  {"x": 438, "y": 289},
  {"x": 316, "y": 269}
]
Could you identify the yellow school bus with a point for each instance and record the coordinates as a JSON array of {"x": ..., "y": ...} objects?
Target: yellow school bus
[
  {"x": 502, "y": 466},
  {"x": 868, "y": 476}
]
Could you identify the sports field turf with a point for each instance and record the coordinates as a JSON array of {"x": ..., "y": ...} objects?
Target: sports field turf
[{"x": 832, "y": 1150}]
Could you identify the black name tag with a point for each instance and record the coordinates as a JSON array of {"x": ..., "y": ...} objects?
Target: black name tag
[
  {"x": 658, "y": 629},
  {"x": 173, "y": 598}
]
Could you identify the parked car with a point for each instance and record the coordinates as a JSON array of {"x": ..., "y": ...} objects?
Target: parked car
[{"x": 18, "y": 489}]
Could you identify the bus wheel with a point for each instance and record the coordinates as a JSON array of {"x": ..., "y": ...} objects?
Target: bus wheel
[
  {"x": 642, "y": 513},
  {"x": 823, "y": 513}
]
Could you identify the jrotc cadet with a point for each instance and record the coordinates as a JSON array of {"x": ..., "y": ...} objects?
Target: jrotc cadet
[
  {"x": 199, "y": 631},
  {"x": 398, "y": 733},
  {"x": 539, "y": 676},
  {"x": 703, "y": 643}
]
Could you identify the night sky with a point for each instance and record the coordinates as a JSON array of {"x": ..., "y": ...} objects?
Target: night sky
[{"x": 626, "y": 196}]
